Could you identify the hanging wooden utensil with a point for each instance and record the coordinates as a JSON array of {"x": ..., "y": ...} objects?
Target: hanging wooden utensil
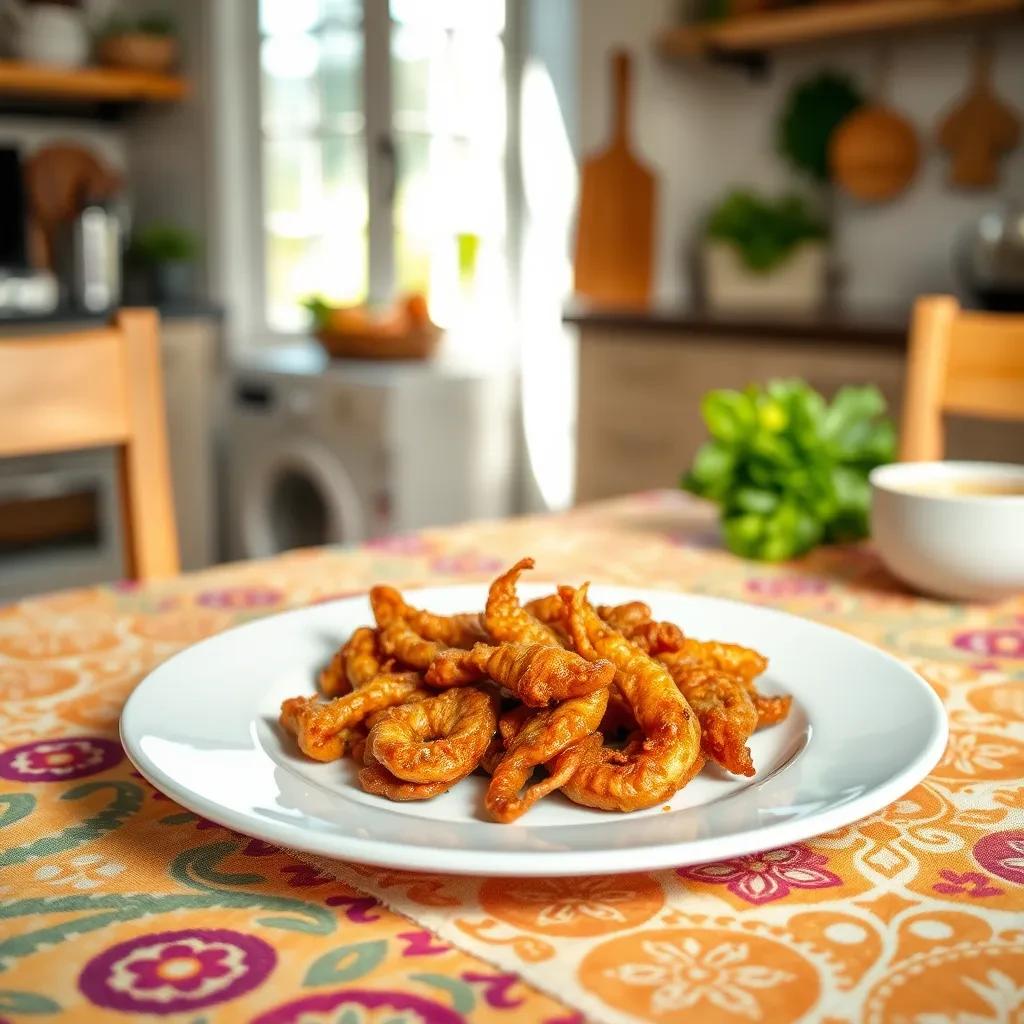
[
  {"x": 615, "y": 228},
  {"x": 874, "y": 153},
  {"x": 979, "y": 130}
]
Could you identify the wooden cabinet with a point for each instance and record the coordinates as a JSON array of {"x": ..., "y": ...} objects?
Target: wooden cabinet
[
  {"x": 640, "y": 387},
  {"x": 190, "y": 357}
]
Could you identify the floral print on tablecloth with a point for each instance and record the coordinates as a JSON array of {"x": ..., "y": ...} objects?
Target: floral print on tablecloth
[{"x": 117, "y": 904}]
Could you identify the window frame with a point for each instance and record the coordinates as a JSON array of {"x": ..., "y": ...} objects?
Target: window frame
[{"x": 242, "y": 263}]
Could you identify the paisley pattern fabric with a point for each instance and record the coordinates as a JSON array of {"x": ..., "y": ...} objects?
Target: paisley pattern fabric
[{"x": 117, "y": 904}]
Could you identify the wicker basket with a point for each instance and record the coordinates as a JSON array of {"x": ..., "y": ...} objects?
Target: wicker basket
[
  {"x": 418, "y": 344},
  {"x": 140, "y": 51}
]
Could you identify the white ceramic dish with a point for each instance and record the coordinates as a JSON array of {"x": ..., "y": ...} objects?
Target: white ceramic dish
[
  {"x": 203, "y": 729},
  {"x": 961, "y": 546}
]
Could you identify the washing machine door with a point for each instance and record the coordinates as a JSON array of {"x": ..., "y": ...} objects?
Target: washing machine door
[{"x": 299, "y": 495}]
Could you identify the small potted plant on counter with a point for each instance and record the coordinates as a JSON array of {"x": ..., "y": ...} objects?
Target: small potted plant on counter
[
  {"x": 167, "y": 253},
  {"x": 149, "y": 43},
  {"x": 764, "y": 254}
]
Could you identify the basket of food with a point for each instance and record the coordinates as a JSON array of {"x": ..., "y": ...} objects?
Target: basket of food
[{"x": 401, "y": 331}]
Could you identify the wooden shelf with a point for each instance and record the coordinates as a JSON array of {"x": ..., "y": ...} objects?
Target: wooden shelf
[
  {"x": 22, "y": 81},
  {"x": 792, "y": 26}
]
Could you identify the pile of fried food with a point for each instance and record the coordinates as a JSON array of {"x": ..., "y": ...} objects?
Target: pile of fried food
[{"x": 618, "y": 710}]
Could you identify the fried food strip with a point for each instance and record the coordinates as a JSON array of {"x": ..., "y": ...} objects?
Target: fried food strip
[
  {"x": 537, "y": 674},
  {"x": 541, "y": 737},
  {"x": 636, "y": 623},
  {"x": 439, "y": 739},
  {"x": 323, "y": 728},
  {"x": 739, "y": 661},
  {"x": 400, "y": 641},
  {"x": 507, "y": 621},
  {"x": 770, "y": 710},
  {"x": 742, "y": 662},
  {"x": 376, "y": 779},
  {"x": 724, "y": 708},
  {"x": 671, "y": 735},
  {"x": 593, "y": 760},
  {"x": 461, "y": 630},
  {"x": 354, "y": 664}
]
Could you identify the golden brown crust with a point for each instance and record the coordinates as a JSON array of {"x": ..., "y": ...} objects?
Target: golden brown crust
[
  {"x": 671, "y": 734},
  {"x": 438, "y": 739},
  {"x": 461, "y": 630},
  {"x": 771, "y": 710},
  {"x": 538, "y": 738},
  {"x": 724, "y": 708},
  {"x": 538, "y": 675},
  {"x": 635, "y": 622},
  {"x": 739, "y": 661},
  {"x": 376, "y": 779},
  {"x": 400, "y": 641},
  {"x": 323, "y": 728},
  {"x": 506, "y": 620}
]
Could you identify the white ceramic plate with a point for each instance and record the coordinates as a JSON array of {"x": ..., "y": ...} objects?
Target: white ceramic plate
[{"x": 203, "y": 729}]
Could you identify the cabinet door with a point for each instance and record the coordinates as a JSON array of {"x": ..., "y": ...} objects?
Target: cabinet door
[
  {"x": 639, "y": 422},
  {"x": 188, "y": 355}
]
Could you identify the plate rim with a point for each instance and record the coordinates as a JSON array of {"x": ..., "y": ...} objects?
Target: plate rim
[{"x": 502, "y": 863}]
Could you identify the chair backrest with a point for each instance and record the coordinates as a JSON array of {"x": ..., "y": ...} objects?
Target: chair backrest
[
  {"x": 92, "y": 389},
  {"x": 960, "y": 362}
]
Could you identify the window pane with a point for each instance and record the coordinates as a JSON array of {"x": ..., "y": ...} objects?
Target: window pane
[
  {"x": 316, "y": 218},
  {"x": 477, "y": 15},
  {"x": 292, "y": 187},
  {"x": 288, "y": 15},
  {"x": 349, "y": 11},
  {"x": 289, "y": 83},
  {"x": 416, "y": 214},
  {"x": 341, "y": 79},
  {"x": 418, "y": 56}
]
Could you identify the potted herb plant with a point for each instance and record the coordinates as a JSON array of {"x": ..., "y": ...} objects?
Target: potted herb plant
[
  {"x": 761, "y": 253},
  {"x": 168, "y": 254},
  {"x": 788, "y": 469},
  {"x": 148, "y": 43}
]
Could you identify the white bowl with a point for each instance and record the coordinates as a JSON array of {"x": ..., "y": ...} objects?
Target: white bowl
[{"x": 964, "y": 546}]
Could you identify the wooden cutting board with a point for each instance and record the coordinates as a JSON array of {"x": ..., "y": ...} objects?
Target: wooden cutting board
[
  {"x": 979, "y": 130},
  {"x": 615, "y": 228}
]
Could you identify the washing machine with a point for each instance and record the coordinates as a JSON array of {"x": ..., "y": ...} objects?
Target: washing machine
[{"x": 324, "y": 451}]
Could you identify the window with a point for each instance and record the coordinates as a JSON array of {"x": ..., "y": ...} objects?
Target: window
[{"x": 383, "y": 150}]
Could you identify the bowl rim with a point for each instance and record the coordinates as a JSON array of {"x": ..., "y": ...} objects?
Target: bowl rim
[{"x": 898, "y": 477}]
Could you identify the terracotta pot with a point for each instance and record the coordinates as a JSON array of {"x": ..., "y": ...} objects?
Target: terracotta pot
[{"x": 139, "y": 51}]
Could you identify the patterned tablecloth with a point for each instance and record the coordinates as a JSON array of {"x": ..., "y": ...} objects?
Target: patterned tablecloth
[{"x": 116, "y": 903}]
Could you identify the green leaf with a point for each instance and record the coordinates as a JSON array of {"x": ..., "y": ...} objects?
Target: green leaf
[
  {"x": 26, "y": 1002},
  {"x": 730, "y": 415},
  {"x": 346, "y": 963},
  {"x": 812, "y": 112},
  {"x": 754, "y": 499},
  {"x": 711, "y": 474}
]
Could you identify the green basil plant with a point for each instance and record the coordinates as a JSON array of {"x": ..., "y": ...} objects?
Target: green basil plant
[{"x": 789, "y": 469}]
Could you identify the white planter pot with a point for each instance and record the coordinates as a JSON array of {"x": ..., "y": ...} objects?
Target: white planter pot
[{"x": 797, "y": 285}]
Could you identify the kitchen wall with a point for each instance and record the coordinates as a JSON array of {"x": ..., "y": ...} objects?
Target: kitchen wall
[
  {"x": 163, "y": 151},
  {"x": 706, "y": 127}
]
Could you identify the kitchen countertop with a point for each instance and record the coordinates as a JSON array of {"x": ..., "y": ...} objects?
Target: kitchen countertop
[
  {"x": 879, "y": 327},
  {"x": 65, "y": 315}
]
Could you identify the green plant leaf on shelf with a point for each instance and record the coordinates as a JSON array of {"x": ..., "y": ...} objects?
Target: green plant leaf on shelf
[
  {"x": 812, "y": 112},
  {"x": 764, "y": 231}
]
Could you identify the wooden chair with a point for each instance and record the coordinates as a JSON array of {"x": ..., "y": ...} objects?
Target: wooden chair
[
  {"x": 93, "y": 389},
  {"x": 960, "y": 362}
]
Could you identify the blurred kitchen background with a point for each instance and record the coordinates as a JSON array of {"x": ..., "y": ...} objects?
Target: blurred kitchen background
[{"x": 303, "y": 186}]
